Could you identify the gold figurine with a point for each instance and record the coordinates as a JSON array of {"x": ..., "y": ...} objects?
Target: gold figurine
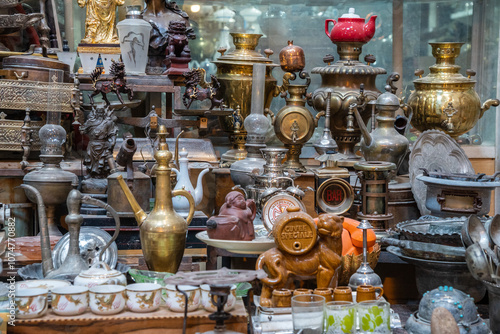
[{"x": 100, "y": 21}]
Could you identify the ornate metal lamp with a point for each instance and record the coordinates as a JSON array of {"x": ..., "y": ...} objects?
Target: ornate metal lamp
[{"x": 53, "y": 183}]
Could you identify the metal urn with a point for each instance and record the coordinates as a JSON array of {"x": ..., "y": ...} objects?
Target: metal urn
[
  {"x": 445, "y": 100},
  {"x": 344, "y": 78},
  {"x": 234, "y": 71}
]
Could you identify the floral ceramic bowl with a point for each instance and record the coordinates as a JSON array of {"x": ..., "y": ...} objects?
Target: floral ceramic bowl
[
  {"x": 206, "y": 299},
  {"x": 176, "y": 300},
  {"x": 143, "y": 297},
  {"x": 70, "y": 300}
]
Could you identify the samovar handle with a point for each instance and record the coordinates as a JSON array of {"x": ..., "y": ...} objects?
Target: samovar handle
[
  {"x": 92, "y": 201},
  {"x": 487, "y": 104},
  {"x": 189, "y": 197}
]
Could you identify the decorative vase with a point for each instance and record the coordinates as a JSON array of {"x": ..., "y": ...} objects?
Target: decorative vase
[{"x": 133, "y": 33}]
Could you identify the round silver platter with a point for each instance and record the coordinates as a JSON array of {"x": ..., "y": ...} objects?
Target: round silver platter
[
  {"x": 92, "y": 241},
  {"x": 437, "y": 152}
]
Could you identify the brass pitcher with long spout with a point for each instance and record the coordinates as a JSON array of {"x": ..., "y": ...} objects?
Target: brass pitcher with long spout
[{"x": 163, "y": 232}]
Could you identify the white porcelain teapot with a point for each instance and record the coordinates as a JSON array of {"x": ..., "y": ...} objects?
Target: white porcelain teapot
[{"x": 100, "y": 273}]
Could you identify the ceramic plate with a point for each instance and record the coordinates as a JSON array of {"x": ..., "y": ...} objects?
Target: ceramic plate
[
  {"x": 437, "y": 152},
  {"x": 257, "y": 246}
]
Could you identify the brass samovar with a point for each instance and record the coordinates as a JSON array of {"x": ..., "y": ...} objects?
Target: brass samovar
[
  {"x": 234, "y": 71},
  {"x": 344, "y": 78},
  {"x": 445, "y": 100}
]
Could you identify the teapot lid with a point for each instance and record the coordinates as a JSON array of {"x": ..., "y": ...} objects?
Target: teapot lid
[
  {"x": 183, "y": 154},
  {"x": 350, "y": 15},
  {"x": 99, "y": 270}
]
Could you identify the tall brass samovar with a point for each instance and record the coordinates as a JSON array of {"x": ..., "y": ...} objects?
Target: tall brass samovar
[
  {"x": 445, "y": 100},
  {"x": 234, "y": 71},
  {"x": 344, "y": 78}
]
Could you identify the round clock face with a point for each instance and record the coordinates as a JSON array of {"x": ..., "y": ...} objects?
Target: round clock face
[
  {"x": 275, "y": 206},
  {"x": 335, "y": 196}
]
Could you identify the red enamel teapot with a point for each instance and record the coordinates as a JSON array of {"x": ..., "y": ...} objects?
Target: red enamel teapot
[{"x": 351, "y": 28}]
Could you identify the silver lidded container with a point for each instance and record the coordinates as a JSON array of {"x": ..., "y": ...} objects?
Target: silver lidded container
[{"x": 460, "y": 305}]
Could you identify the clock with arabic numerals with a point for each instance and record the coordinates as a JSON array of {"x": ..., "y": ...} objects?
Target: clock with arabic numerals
[{"x": 276, "y": 205}]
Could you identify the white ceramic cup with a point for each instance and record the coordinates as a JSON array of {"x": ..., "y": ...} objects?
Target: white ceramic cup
[
  {"x": 143, "y": 297},
  {"x": 31, "y": 303},
  {"x": 176, "y": 300},
  {"x": 206, "y": 299},
  {"x": 70, "y": 300},
  {"x": 107, "y": 299}
]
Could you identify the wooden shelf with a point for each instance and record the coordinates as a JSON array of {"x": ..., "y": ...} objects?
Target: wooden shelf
[{"x": 161, "y": 321}]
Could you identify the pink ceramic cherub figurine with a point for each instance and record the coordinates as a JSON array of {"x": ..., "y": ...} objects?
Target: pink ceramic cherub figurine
[{"x": 224, "y": 226}]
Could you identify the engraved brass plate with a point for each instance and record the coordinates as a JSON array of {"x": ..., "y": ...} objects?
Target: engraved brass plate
[
  {"x": 459, "y": 202},
  {"x": 37, "y": 96}
]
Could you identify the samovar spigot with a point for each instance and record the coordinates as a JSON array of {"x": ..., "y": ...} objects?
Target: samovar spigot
[{"x": 449, "y": 111}]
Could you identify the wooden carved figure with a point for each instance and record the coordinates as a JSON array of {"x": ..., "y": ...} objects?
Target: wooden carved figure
[
  {"x": 117, "y": 85},
  {"x": 209, "y": 90},
  {"x": 304, "y": 251}
]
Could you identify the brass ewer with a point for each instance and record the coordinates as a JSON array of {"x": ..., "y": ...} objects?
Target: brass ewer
[
  {"x": 162, "y": 231},
  {"x": 384, "y": 143},
  {"x": 234, "y": 71},
  {"x": 445, "y": 100}
]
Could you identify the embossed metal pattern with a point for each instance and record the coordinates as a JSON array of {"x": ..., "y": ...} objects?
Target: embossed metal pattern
[
  {"x": 38, "y": 96},
  {"x": 11, "y": 134},
  {"x": 437, "y": 152}
]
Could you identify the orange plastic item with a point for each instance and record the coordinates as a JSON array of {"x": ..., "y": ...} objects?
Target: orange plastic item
[
  {"x": 357, "y": 235},
  {"x": 352, "y": 237},
  {"x": 351, "y": 224},
  {"x": 359, "y": 250},
  {"x": 347, "y": 247}
]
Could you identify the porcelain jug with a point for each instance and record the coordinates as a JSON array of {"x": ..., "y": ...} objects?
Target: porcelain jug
[{"x": 181, "y": 204}]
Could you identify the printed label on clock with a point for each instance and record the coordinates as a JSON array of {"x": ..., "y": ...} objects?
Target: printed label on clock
[{"x": 278, "y": 208}]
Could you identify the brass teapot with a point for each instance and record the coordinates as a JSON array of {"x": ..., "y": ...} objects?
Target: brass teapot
[{"x": 163, "y": 231}]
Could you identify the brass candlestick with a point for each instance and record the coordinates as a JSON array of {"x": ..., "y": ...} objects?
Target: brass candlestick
[{"x": 374, "y": 177}]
